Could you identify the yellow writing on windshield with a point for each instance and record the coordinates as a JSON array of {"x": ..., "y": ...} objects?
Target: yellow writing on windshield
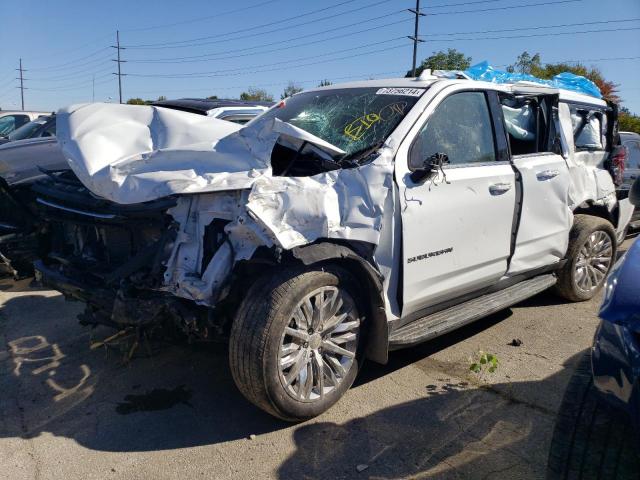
[{"x": 356, "y": 129}]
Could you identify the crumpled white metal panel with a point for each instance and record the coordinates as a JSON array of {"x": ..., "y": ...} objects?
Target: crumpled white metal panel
[
  {"x": 135, "y": 153},
  {"x": 132, "y": 154}
]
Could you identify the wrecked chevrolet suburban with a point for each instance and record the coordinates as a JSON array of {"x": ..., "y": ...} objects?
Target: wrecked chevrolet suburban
[{"x": 343, "y": 223}]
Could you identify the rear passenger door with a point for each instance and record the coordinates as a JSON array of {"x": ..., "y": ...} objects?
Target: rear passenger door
[
  {"x": 456, "y": 223},
  {"x": 544, "y": 217}
]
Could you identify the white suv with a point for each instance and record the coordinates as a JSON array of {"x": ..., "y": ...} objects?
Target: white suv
[{"x": 343, "y": 223}]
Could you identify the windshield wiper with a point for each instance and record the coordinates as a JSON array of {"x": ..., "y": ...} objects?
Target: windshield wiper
[{"x": 353, "y": 157}]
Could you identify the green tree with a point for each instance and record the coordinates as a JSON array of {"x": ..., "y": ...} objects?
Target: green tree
[
  {"x": 452, "y": 59},
  {"x": 212, "y": 97},
  {"x": 161, "y": 98},
  {"x": 325, "y": 83},
  {"x": 525, "y": 63},
  {"x": 628, "y": 122},
  {"x": 136, "y": 101},
  {"x": 290, "y": 89},
  {"x": 256, "y": 95}
]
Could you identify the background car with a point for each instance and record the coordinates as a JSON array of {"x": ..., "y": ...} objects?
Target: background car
[
  {"x": 44, "y": 126},
  {"x": 237, "y": 111},
  {"x": 11, "y": 120},
  {"x": 631, "y": 143},
  {"x": 597, "y": 432}
]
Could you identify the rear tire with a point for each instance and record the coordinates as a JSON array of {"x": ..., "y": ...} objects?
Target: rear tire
[
  {"x": 591, "y": 439},
  {"x": 296, "y": 342},
  {"x": 590, "y": 256}
]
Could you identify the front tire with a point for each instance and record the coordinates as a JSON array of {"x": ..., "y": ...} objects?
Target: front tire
[
  {"x": 295, "y": 344},
  {"x": 590, "y": 256}
]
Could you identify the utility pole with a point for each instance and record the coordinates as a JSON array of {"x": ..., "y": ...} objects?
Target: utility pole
[
  {"x": 415, "y": 38},
  {"x": 119, "y": 74},
  {"x": 21, "y": 70}
]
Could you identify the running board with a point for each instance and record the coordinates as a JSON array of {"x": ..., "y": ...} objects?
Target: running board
[{"x": 459, "y": 315}]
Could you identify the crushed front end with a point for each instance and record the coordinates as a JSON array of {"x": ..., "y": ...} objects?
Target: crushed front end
[{"x": 108, "y": 255}]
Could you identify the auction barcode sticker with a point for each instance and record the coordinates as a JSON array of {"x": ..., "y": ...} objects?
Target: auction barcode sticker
[{"x": 410, "y": 92}]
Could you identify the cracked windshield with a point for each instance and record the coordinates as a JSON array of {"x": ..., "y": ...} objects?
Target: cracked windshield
[{"x": 352, "y": 119}]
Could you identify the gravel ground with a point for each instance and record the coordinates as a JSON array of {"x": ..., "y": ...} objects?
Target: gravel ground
[{"x": 68, "y": 411}]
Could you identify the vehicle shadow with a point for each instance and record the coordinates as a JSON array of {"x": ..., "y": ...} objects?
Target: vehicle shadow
[
  {"x": 182, "y": 396},
  {"x": 168, "y": 396},
  {"x": 453, "y": 431}
]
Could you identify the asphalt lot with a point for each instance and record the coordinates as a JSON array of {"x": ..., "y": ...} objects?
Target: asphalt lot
[{"x": 68, "y": 411}]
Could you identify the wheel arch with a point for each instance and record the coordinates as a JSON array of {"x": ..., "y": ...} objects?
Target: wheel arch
[
  {"x": 601, "y": 211},
  {"x": 357, "y": 259}
]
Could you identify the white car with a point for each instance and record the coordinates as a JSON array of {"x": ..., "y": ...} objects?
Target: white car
[
  {"x": 10, "y": 120},
  {"x": 345, "y": 222}
]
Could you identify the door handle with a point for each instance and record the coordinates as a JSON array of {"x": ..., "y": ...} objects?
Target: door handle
[
  {"x": 547, "y": 175},
  {"x": 499, "y": 188}
]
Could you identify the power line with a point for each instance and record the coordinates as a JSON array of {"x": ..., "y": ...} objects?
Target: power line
[
  {"x": 62, "y": 66},
  {"x": 200, "y": 19},
  {"x": 190, "y": 42},
  {"x": 238, "y": 71},
  {"x": 223, "y": 37},
  {"x": 74, "y": 86},
  {"x": 193, "y": 58},
  {"x": 546, "y": 34},
  {"x": 536, "y": 27},
  {"x": 75, "y": 74},
  {"x": 287, "y": 62},
  {"x": 508, "y": 7},
  {"x": 288, "y": 47}
]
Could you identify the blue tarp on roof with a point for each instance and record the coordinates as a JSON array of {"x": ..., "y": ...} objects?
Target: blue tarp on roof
[{"x": 566, "y": 80}]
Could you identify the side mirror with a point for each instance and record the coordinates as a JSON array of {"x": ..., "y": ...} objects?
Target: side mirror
[
  {"x": 433, "y": 163},
  {"x": 634, "y": 193}
]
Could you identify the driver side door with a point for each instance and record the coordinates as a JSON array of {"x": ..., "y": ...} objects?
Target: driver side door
[{"x": 456, "y": 223}]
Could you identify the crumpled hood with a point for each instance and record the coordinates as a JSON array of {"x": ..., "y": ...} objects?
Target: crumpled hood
[{"x": 132, "y": 153}]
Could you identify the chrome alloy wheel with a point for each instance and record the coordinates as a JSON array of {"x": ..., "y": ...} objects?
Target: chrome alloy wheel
[
  {"x": 593, "y": 262},
  {"x": 318, "y": 346}
]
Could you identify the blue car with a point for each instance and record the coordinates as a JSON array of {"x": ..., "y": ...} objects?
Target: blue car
[{"x": 597, "y": 432}]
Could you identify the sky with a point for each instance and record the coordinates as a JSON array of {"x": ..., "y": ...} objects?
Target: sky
[{"x": 197, "y": 48}]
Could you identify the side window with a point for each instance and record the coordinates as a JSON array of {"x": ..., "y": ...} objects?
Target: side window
[
  {"x": 7, "y": 125},
  {"x": 459, "y": 127},
  {"x": 49, "y": 129},
  {"x": 530, "y": 122},
  {"x": 589, "y": 128},
  {"x": 20, "y": 120},
  {"x": 633, "y": 154}
]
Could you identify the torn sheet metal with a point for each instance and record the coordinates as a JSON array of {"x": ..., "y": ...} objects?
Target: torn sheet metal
[
  {"x": 589, "y": 181},
  {"x": 346, "y": 204},
  {"x": 282, "y": 211},
  {"x": 135, "y": 154},
  {"x": 132, "y": 154}
]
